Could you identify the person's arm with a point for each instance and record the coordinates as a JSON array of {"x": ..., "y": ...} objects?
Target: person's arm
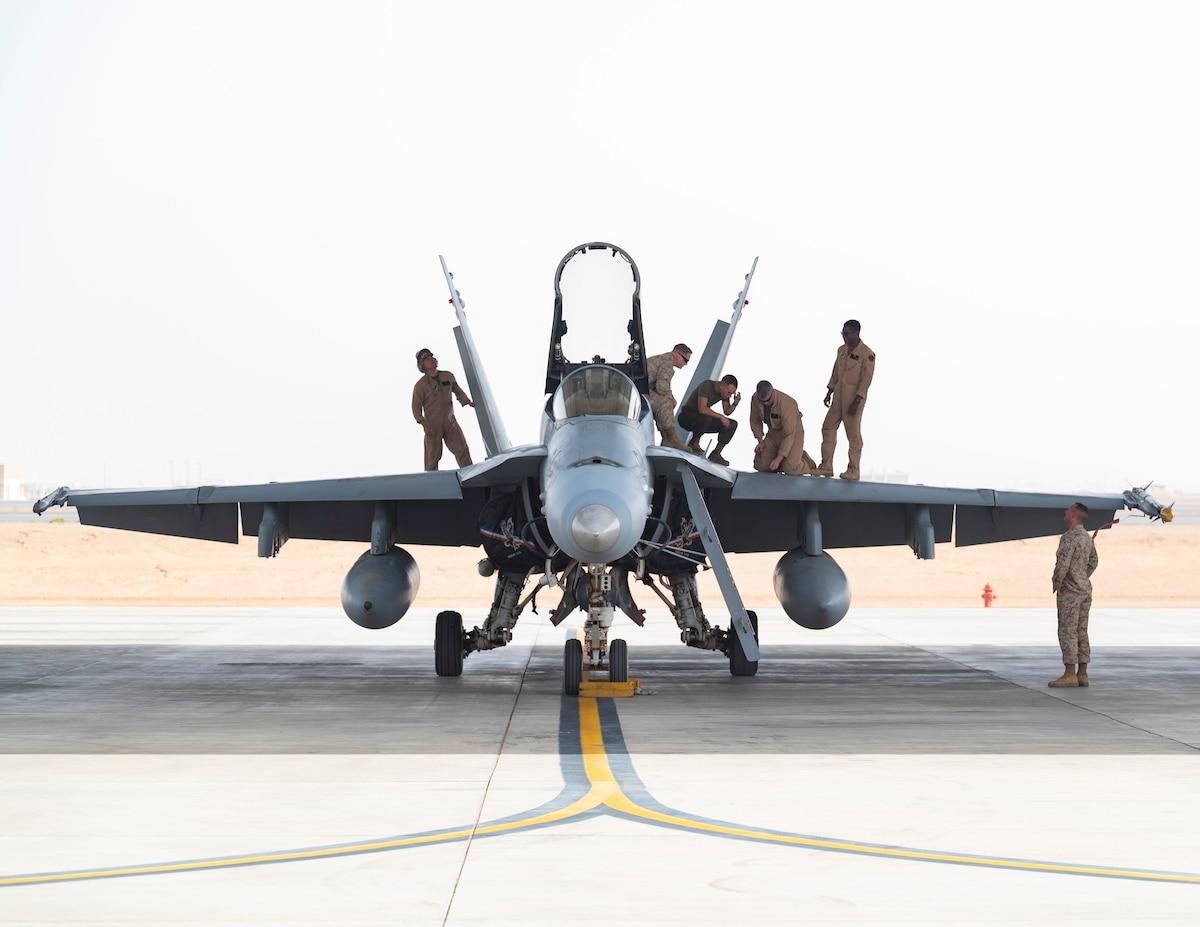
[
  {"x": 832, "y": 382},
  {"x": 418, "y": 405},
  {"x": 756, "y": 419},
  {"x": 1062, "y": 564},
  {"x": 868, "y": 374},
  {"x": 463, "y": 398}
]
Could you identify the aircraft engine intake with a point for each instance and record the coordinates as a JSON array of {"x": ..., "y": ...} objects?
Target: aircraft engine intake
[
  {"x": 812, "y": 590},
  {"x": 379, "y": 588}
]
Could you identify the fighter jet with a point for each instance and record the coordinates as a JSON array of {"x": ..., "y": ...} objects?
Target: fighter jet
[{"x": 595, "y": 510}]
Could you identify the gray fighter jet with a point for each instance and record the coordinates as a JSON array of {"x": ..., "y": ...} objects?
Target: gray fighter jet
[{"x": 595, "y": 508}]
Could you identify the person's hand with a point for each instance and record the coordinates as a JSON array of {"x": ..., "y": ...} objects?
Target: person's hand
[
  {"x": 776, "y": 464},
  {"x": 758, "y": 446},
  {"x": 827, "y": 395},
  {"x": 737, "y": 397},
  {"x": 853, "y": 410}
]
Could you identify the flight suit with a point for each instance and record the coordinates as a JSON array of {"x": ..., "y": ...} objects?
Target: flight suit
[
  {"x": 660, "y": 369},
  {"x": 1074, "y": 564},
  {"x": 784, "y": 434},
  {"x": 432, "y": 406},
  {"x": 852, "y": 375}
]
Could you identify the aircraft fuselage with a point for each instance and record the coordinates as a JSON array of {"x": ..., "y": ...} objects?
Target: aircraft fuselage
[{"x": 596, "y": 488}]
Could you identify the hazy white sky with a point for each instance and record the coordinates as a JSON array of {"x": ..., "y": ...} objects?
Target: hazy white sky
[{"x": 220, "y": 222}]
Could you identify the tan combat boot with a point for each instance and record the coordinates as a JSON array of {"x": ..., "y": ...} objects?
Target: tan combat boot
[
  {"x": 695, "y": 448},
  {"x": 672, "y": 441},
  {"x": 716, "y": 457},
  {"x": 1081, "y": 676},
  {"x": 848, "y": 475},
  {"x": 1067, "y": 679}
]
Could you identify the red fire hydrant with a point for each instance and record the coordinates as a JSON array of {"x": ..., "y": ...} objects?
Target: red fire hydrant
[{"x": 988, "y": 595}]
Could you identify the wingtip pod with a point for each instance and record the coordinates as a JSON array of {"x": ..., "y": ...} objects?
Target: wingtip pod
[{"x": 1141, "y": 500}]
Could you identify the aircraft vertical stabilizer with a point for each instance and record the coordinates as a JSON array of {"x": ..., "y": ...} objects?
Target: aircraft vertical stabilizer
[
  {"x": 491, "y": 428},
  {"x": 712, "y": 359}
]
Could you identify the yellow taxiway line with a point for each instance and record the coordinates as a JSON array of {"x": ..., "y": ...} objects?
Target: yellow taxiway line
[{"x": 605, "y": 791}]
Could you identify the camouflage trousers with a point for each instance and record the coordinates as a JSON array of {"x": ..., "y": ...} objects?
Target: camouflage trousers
[
  {"x": 1073, "y": 610},
  {"x": 663, "y": 408}
]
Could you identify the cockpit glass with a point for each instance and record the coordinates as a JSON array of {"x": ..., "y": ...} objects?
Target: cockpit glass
[{"x": 596, "y": 391}]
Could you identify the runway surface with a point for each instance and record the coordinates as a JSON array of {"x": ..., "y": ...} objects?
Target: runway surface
[{"x": 256, "y": 766}]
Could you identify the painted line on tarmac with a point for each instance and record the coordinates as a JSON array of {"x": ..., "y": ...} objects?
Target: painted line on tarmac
[{"x": 599, "y": 778}]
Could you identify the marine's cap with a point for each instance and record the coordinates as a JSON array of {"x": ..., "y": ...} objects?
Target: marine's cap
[
  {"x": 421, "y": 353},
  {"x": 763, "y": 390}
]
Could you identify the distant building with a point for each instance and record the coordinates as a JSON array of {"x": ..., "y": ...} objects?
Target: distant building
[{"x": 12, "y": 487}]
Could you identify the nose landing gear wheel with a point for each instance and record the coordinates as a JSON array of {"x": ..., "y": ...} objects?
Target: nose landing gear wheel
[
  {"x": 618, "y": 661},
  {"x": 572, "y": 667},
  {"x": 448, "y": 644},
  {"x": 738, "y": 664}
]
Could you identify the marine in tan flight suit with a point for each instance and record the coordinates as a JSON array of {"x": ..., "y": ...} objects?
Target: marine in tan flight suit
[
  {"x": 660, "y": 368},
  {"x": 1074, "y": 564},
  {"x": 433, "y": 409},
  {"x": 778, "y": 426},
  {"x": 853, "y": 370}
]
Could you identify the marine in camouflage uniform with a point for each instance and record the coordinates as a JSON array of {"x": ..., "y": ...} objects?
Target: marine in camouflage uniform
[
  {"x": 845, "y": 397},
  {"x": 782, "y": 442},
  {"x": 1074, "y": 565},
  {"x": 433, "y": 409},
  {"x": 660, "y": 368}
]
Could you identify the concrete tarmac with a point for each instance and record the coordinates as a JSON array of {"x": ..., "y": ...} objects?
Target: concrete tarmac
[{"x": 266, "y": 766}]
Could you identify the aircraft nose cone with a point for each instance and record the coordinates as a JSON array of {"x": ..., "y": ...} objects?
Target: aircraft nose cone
[{"x": 595, "y": 527}]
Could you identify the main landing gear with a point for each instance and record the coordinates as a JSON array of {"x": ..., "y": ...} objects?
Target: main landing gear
[{"x": 594, "y": 590}]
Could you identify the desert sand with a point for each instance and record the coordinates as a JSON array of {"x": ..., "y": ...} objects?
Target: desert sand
[{"x": 64, "y": 563}]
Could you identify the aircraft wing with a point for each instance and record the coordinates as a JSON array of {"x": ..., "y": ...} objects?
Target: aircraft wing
[
  {"x": 437, "y": 507},
  {"x": 756, "y": 512}
]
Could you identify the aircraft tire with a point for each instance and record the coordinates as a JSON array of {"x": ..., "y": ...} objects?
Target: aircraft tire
[
  {"x": 618, "y": 661},
  {"x": 572, "y": 667},
  {"x": 738, "y": 664},
  {"x": 448, "y": 644}
]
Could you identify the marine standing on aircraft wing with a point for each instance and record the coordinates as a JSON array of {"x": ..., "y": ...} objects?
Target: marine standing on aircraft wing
[
  {"x": 594, "y": 506},
  {"x": 433, "y": 408},
  {"x": 846, "y": 399}
]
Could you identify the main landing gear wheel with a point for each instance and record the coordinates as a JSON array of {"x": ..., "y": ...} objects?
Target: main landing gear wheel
[
  {"x": 738, "y": 664},
  {"x": 618, "y": 661},
  {"x": 572, "y": 666},
  {"x": 448, "y": 644}
]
